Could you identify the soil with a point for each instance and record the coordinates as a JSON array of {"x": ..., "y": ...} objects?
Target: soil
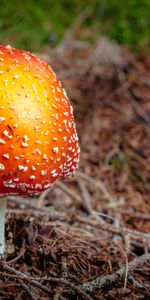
[{"x": 89, "y": 238}]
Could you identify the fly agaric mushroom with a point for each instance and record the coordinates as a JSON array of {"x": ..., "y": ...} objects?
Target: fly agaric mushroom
[{"x": 38, "y": 139}]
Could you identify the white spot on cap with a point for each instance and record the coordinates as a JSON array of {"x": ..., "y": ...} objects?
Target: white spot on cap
[
  {"x": 6, "y": 133},
  {"x": 9, "y": 183},
  {"x": 16, "y": 157},
  {"x": 43, "y": 172},
  {"x": 22, "y": 168},
  {"x": 55, "y": 149},
  {"x": 33, "y": 168},
  {"x": 2, "y": 167},
  {"x": 24, "y": 144},
  {"x": 32, "y": 177},
  {"x": 2, "y": 119},
  {"x": 6, "y": 155},
  {"x": 2, "y": 141}
]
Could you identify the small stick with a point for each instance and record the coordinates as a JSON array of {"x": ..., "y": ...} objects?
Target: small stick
[
  {"x": 132, "y": 213},
  {"x": 99, "y": 184},
  {"x": 23, "y": 276},
  {"x": 42, "y": 197},
  {"x": 68, "y": 191},
  {"x": 111, "y": 228},
  {"x": 21, "y": 253},
  {"x": 137, "y": 284},
  {"x": 27, "y": 289},
  {"x": 85, "y": 197},
  {"x": 48, "y": 210},
  {"x": 87, "y": 202}
]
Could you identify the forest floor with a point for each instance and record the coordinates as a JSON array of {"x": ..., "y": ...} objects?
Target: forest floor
[{"x": 89, "y": 238}]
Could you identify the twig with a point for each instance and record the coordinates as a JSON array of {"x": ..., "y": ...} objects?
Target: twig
[
  {"x": 137, "y": 284},
  {"x": 42, "y": 197},
  {"x": 131, "y": 96},
  {"x": 68, "y": 191},
  {"x": 132, "y": 213},
  {"x": 138, "y": 108},
  {"x": 99, "y": 184},
  {"x": 21, "y": 253},
  {"x": 27, "y": 289},
  {"x": 87, "y": 202},
  {"x": 111, "y": 228},
  {"x": 107, "y": 281},
  {"x": 53, "y": 214},
  {"x": 115, "y": 106},
  {"x": 22, "y": 276},
  {"x": 85, "y": 197}
]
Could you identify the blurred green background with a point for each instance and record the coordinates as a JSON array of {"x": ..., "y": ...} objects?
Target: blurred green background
[{"x": 31, "y": 24}]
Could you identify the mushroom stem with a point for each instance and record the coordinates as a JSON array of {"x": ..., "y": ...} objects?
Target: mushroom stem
[{"x": 3, "y": 204}]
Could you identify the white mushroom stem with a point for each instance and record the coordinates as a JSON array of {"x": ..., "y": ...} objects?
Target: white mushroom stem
[{"x": 3, "y": 204}]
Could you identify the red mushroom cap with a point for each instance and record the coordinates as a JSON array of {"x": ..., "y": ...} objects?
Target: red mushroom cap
[{"x": 38, "y": 139}]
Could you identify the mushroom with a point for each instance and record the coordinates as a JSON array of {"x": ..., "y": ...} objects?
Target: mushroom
[{"x": 38, "y": 139}]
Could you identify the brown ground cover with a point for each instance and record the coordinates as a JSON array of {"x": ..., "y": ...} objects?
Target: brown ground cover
[{"x": 89, "y": 238}]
